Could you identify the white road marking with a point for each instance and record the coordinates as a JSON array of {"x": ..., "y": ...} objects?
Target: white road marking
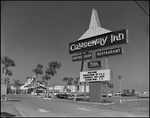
[
  {"x": 130, "y": 100},
  {"x": 20, "y": 112},
  {"x": 96, "y": 103},
  {"x": 42, "y": 110},
  {"x": 135, "y": 99},
  {"x": 84, "y": 109},
  {"x": 47, "y": 98}
]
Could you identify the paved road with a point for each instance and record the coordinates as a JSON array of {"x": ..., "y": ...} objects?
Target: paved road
[{"x": 31, "y": 106}]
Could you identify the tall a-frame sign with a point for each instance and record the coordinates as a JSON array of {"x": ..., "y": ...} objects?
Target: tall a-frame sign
[{"x": 89, "y": 48}]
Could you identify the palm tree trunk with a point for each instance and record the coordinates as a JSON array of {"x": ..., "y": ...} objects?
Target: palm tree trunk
[
  {"x": 53, "y": 85},
  {"x": 16, "y": 91},
  {"x": 4, "y": 75},
  {"x": 75, "y": 97},
  {"x": 36, "y": 83},
  {"x": 6, "y": 97},
  {"x": 48, "y": 90},
  {"x": 79, "y": 77}
]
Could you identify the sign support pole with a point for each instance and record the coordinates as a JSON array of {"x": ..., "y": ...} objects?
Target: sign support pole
[
  {"x": 106, "y": 81},
  {"x": 84, "y": 82}
]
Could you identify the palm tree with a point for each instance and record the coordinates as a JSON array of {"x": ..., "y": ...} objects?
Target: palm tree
[
  {"x": 38, "y": 71},
  {"x": 44, "y": 81},
  {"x": 54, "y": 65},
  {"x": 6, "y": 62},
  {"x": 7, "y": 81},
  {"x": 69, "y": 81},
  {"x": 76, "y": 83},
  {"x": 17, "y": 84},
  {"x": 49, "y": 73}
]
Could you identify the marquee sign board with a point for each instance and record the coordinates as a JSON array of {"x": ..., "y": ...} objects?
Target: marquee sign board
[
  {"x": 96, "y": 75},
  {"x": 94, "y": 64},
  {"x": 109, "y": 52},
  {"x": 99, "y": 41},
  {"x": 82, "y": 57}
]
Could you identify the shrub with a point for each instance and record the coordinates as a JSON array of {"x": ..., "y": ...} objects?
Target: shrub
[{"x": 106, "y": 101}]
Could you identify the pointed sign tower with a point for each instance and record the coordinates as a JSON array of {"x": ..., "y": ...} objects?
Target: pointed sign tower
[
  {"x": 95, "y": 88},
  {"x": 94, "y": 27}
]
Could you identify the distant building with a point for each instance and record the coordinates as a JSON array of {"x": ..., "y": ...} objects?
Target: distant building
[
  {"x": 60, "y": 88},
  {"x": 29, "y": 86}
]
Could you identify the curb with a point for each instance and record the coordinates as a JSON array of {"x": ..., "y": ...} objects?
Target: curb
[
  {"x": 134, "y": 99},
  {"x": 97, "y": 103}
]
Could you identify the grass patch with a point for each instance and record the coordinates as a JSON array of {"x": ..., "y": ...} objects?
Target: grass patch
[
  {"x": 134, "y": 107},
  {"x": 139, "y": 107},
  {"x": 7, "y": 109}
]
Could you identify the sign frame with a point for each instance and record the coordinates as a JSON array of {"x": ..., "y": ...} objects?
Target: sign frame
[
  {"x": 102, "y": 75},
  {"x": 99, "y": 41}
]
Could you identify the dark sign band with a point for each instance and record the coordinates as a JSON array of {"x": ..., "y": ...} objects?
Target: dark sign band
[
  {"x": 96, "y": 42},
  {"x": 109, "y": 52}
]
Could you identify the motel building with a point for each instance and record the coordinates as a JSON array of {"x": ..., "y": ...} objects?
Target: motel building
[
  {"x": 72, "y": 88},
  {"x": 28, "y": 87}
]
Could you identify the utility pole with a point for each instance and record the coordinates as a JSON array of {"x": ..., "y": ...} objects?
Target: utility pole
[{"x": 120, "y": 87}]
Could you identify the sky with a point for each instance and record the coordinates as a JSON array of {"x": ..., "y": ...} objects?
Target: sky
[{"x": 35, "y": 32}]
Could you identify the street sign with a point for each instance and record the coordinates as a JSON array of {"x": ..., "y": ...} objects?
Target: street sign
[
  {"x": 82, "y": 57},
  {"x": 109, "y": 52},
  {"x": 99, "y": 41},
  {"x": 94, "y": 64},
  {"x": 96, "y": 75}
]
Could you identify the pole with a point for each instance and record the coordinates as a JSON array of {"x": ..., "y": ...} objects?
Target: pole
[
  {"x": 120, "y": 87},
  {"x": 84, "y": 91},
  {"x": 82, "y": 63},
  {"x": 53, "y": 85},
  {"x": 106, "y": 81},
  {"x": 136, "y": 91}
]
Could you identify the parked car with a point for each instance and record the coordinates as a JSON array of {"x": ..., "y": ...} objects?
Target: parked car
[
  {"x": 116, "y": 94},
  {"x": 109, "y": 95},
  {"x": 126, "y": 94},
  {"x": 62, "y": 95},
  {"x": 144, "y": 95}
]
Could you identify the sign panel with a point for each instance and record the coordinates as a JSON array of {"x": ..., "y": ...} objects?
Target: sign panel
[
  {"x": 82, "y": 57},
  {"x": 94, "y": 64},
  {"x": 96, "y": 75},
  {"x": 96, "y": 42},
  {"x": 109, "y": 52}
]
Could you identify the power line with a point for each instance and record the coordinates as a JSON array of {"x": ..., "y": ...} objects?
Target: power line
[{"x": 141, "y": 7}]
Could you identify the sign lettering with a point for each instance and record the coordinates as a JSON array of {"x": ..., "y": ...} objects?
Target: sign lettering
[
  {"x": 94, "y": 64},
  {"x": 82, "y": 57},
  {"x": 96, "y": 42},
  {"x": 109, "y": 52}
]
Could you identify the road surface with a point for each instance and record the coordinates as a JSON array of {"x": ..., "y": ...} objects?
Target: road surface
[{"x": 33, "y": 106}]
